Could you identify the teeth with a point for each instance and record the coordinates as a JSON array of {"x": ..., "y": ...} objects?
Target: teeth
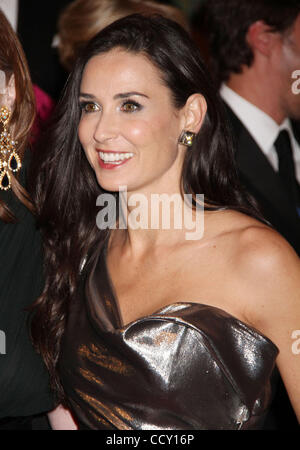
[{"x": 114, "y": 157}]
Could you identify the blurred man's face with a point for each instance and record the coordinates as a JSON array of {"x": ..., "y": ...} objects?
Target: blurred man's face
[{"x": 288, "y": 62}]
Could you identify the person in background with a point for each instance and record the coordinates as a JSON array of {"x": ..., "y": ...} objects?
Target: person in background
[
  {"x": 47, "y": 74},
  {"x": 81, "y": 20},
  {"x": 24, "y": 382},
  {"x": 36, "y": 27},
  {"x": 141, "y": 325},
  {"x": 254, "y": 50},
  {"x": 44, "y": 108}
]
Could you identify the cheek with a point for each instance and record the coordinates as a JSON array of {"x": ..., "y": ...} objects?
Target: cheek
[
  {"x": 84, "y": 137},
  {"x": 139, "y": 132},
  {"x": 137, "y": 128},
  {"x": 290, "y": 60},
  {"x": 82, "y": 132},
  {"x": 155, "y": 130}
]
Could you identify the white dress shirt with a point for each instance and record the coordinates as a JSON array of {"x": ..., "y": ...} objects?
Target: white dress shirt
[{"x": 263, "y": 129}]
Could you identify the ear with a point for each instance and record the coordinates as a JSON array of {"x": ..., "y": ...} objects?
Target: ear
[
  {"x": 261, "y": 38},
  {"x": 193, "y": 113},
  {"x": 9, "y": 93}
]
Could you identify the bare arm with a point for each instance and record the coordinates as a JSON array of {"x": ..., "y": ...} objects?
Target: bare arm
[
  {"x": 270, "y": 274},
  {"x": 61, "y": 419}
]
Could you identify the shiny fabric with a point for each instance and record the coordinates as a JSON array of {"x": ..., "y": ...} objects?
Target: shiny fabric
[{"x": 188, "y": 366}]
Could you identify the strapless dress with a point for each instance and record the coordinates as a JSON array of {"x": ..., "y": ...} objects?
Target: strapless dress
[{"x": 188, "y": 366}]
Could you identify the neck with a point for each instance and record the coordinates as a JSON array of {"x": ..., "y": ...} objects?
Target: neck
[
  {"x": 260, "y": 90},
  {"x": 151, "y": 221}
]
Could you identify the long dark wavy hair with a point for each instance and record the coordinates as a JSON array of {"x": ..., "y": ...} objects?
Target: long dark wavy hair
[
  {"x": 13, "y": 62},
  {"x": 65, "y": 186}
]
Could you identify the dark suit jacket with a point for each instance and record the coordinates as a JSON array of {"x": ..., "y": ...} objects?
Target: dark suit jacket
[{"x": 262, "y": 181}]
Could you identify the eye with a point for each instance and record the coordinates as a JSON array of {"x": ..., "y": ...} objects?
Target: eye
[
  {"x": 130, "y": 106},
  {"x": 89, "y": 107}
]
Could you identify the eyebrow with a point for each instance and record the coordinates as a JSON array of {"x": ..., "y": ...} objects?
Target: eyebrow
[
  {"x": 121, "y": 95},
  {"x": 129, "y": 94},
  {"x": 82, "y": 94}
]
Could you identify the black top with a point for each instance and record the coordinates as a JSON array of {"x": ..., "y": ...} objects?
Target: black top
[
  {"x": 186, "y": 366},
  {"x": 24, "y": 384}
]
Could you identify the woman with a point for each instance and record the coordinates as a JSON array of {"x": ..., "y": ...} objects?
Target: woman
[
  {"x": 81, "y": 20},
  {"x": 155, "y": 330},
  {"x": 24, "y": 382}
]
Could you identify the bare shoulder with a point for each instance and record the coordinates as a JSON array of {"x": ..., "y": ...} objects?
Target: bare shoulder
[
  {"x": 262, "y": 251},
  {"x": 267, "y": 280},
  {"x": 265, "y": 284},
  {"x": 266, "y": 275},
  {"x": 257, "y": 246},
  {"x": 258, "y": 265},
  {"x": 262, "y": 266}
]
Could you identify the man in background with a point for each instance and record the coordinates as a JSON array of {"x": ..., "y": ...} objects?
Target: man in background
[
  {"x": 254, "y": 54},
  {"x": 254, "y": 49}
]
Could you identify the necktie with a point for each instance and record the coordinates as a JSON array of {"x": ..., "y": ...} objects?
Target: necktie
[{"x": 287, "y": 167}]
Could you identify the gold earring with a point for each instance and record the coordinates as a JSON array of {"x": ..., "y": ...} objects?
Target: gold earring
[
  {"x": 9, "y": 159},
  {"x": 186, "y": 138}
]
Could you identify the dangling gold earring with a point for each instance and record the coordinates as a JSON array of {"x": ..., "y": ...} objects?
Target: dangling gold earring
[
  {"x": 9, "y": 159},
  {"x": 186, "y": 138}
]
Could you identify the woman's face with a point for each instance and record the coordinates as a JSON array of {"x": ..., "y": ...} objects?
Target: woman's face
[{"x": 129, "y": 127}]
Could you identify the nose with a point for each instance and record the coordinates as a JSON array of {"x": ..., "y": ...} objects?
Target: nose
[{"x": 106, "y": 128}]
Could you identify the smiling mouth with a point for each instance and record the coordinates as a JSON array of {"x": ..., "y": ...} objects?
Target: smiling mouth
[{"x": 114, "y": 158}]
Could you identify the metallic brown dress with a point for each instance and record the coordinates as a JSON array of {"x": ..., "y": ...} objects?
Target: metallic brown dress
[{"x": 187, "y": 366}]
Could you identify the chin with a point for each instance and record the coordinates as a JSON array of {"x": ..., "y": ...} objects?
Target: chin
[{"x": 109, "y": 185}]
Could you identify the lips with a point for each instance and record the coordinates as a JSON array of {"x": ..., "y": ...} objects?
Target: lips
[{"x": 110, "y": 160}]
